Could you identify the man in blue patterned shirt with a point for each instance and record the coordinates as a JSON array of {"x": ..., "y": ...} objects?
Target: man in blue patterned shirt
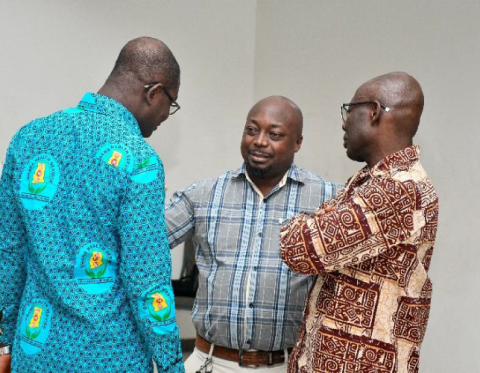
[
  {"x": 249, "y": 305},
  {"x": 85, "y": 274}
]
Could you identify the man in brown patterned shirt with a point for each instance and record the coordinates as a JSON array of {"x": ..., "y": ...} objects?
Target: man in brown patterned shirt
[{"x": 372, "y": 243}]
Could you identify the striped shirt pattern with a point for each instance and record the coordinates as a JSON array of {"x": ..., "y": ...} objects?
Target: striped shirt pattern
[{"x": 247, "y": 297}]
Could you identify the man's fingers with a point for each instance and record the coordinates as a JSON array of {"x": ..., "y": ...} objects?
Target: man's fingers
[
  {"x": 5, "y": 364},
  {"x": 321, "y": 212}
]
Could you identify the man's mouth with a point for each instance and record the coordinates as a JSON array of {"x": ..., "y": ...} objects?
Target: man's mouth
[{"x": 258, "y": 156}]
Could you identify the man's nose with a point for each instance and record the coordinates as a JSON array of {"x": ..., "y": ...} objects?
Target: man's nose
[{"x": 261, "y": 140}]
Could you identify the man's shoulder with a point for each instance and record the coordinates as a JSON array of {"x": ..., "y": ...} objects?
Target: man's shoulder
[
  {"x": 202, "y": 189},
  {"x": 139, "y": 147},
  {"x": 36, "y": 128},
  {"x": 416, "y": 174},
  {"x": 311, "y": 178},
  {"x": 210, "y": 183}
]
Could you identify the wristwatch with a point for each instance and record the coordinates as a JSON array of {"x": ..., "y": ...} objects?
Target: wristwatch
[{"x": 5, "y": 350}]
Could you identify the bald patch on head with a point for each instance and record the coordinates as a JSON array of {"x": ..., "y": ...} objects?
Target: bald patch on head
[
  {"x": 284, "y": 110},
  {"x": 146, "y": 60},
  {"x": 400, "y": 92}
]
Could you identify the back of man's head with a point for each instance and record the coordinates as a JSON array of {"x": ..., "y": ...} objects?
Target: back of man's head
[
  {"x": 403, "y": 95},
  {"x": 146, "y": 60},
  {"x": 383, "y": 117},
  {"x": 146, "y": 80}
]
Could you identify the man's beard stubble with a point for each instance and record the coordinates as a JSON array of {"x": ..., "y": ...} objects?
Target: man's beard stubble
[{"x": 260, "y": 173}]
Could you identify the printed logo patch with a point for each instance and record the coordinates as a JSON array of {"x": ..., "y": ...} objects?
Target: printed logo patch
[
  {"x": 116, "y": 156},
  {"x": 115, "y": 159},
  {"x": 157, "y": 306},
  {"x": 95, "y": 269},
  {"x": 35, "y": 326},
  {"x": 39, "y": 182},
  {"x": 39, "y": 175},
  {"x": 146, "y": 171}
]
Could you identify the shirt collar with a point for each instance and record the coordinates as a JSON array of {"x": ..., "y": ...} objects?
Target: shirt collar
[
  {"x": 104, "y": 105},
  {"x": 400, "y": 160},
  {"x": 294, "y": 173}
]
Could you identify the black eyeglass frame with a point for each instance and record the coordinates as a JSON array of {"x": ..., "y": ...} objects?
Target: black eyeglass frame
[
  {"x": 346, "y": 105},
  {"x": 173, "y": 104}
]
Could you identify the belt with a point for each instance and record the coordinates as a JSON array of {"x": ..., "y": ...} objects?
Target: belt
[{"x": 244, "y": 358}]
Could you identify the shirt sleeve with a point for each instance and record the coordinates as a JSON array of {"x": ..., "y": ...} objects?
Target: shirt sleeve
[
  {"x": 348, "y": 231},
  {"x": 12, "y": 252},
  {"x": 145, "y": 270},
  {"x": 337, "y": 188},
  {"x": 180, "y": 217}
]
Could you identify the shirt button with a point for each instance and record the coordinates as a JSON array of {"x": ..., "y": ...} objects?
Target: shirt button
[
  {"x": 259, "y": 234},
  {"x": 255, "y": 268},
  {"x": 264, "y": 200},
  {"x": 249, "y": 341},
  {"x": 251, "y": 305}
]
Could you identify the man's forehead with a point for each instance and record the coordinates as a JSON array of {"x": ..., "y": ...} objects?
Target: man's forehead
[
  {"x": 270, "y": 113},
  {"x": 273, "y": 107},
  {"x": 175, "y": 92},
  {"x": 365, "y": 91},
  {"x": 268, "y": 121}
]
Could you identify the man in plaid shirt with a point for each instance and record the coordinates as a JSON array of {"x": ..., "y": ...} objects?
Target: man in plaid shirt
[{"x": 249, "y": 304}]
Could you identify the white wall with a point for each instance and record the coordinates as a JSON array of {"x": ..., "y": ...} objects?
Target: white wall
[
  {"x": 315, "y": 52},
  {"x": 319, "y": 52},
  {"x": 53, "y": 51}
]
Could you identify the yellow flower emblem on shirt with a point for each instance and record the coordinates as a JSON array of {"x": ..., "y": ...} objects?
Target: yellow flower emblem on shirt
[
  {"x": 96, "y": 260},
  {"x": 159, "y": 302},
  {"x": 115, "y": 158},
  {"x": 38, "y": 176},
  {"x": 37, "y": 316}
]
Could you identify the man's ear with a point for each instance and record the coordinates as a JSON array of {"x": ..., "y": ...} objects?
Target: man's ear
[
  {"x": 298, "y": 144},
  {"x": 376, "y": 112},
  {"x": 152, "y": 92}
]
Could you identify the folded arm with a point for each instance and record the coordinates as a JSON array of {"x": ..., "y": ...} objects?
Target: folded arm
[{"x": 353, "y": 229}]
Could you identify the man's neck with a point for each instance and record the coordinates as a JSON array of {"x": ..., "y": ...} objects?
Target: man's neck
[
  {"x": 384, "y": 152},
  {"x": 266, "y": 185},
  {"x": 111, "y": 91},
  {"x": 114, "y": 91}
]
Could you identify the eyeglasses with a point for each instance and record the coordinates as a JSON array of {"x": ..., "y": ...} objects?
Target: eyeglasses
[
  {"x": 174, "y": 106},
  {"x": 344, "y": 111}
]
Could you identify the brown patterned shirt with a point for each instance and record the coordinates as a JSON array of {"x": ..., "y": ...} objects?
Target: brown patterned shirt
[{"x": 372, "y": 243}]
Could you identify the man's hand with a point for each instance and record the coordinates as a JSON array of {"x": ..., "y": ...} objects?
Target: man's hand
[
  {"x": 5, "y": 366},
  {"x": 320, "y": 211}
]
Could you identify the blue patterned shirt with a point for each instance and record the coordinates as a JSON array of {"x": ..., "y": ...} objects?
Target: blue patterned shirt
[
  {"x": 247, "y": 297},
  {"x": 85, "y": 275}
]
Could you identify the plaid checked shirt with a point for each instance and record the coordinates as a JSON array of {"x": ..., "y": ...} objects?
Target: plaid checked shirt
[{"x": 247, "y": 297}]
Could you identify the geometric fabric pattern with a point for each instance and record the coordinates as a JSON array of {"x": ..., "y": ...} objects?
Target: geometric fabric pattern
[
  {"x": 85, "y": 275},
  {"x": 373, "y": 245}
]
